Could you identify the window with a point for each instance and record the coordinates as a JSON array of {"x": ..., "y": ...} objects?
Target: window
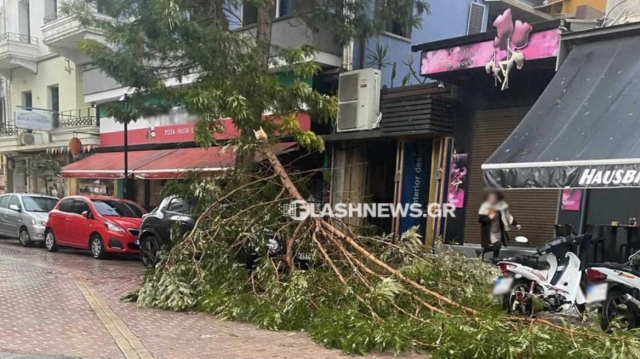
[
  {"x": 27, "y": 100},
  {"x": 24, "y": 19},
  {"x": 394, "y": 21},
  {"x": 15, "y": 201},
  {"x": 176, "y": 205},
  {"x": 3, "y": 119},
  {"x": 395, "y": 27},
  {"x": 66, "y": 205},
  {"x": 113, "y": 208},
  {"x": 38, "y": 204},
  {"x": 249, "y": 14},
  {"x": 50, "y": 9},
  {"x": 284, "y": 8},
  {"x": 54, "y": 103},
  {"x": 79, "y": 206},
  {"x": 4, "y": 201},
  {"x": 137, "y": 211}
]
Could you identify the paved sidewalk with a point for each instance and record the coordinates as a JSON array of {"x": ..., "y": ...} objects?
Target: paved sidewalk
[{"x": 67, "y": 304}]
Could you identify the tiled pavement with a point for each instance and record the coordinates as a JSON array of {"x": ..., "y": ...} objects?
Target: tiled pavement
[{"x": 50, "y": 305}]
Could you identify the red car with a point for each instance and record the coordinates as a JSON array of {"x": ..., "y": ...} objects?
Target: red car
[{"x": 100, "y": 224}]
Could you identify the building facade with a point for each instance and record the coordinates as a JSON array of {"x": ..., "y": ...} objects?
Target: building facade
[{"x": 43, "y": 107}]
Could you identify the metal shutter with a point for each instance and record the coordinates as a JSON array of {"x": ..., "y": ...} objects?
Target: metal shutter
[
  {"x": 535, "y": 209},
  {"x": 476, "y": 15}
]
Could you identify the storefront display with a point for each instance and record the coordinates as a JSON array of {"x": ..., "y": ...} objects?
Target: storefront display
[{"x": 96, "y": 187}]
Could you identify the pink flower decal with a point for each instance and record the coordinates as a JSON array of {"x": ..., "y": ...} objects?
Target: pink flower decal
[
  {"x": 510, "y": 38},
  {"x": 504, "y": 26},
  {"x": 520, "y": 35}
]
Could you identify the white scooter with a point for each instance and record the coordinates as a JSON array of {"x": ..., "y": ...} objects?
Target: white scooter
[
  {"x": 617, "y": 287},
  {"x": 529, "y": 284}
]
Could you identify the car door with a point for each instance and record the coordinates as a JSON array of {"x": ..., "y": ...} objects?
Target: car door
[
  {"x": 12, "y": 216},
  {"x": 78, "y": 224},
  {"x": 176, "y": 214},
  {"x": 4, "y": 204},
  {"x": 59, "y": 220}
]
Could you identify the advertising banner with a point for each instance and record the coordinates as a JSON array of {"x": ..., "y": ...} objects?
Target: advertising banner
[
  {"x": 415, "y": 181},
  {"x": 457, "y": 179}
]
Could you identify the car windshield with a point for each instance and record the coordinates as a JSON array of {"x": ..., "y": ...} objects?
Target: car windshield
[
  {"x": 38, "y": 204},
  {"x": 115, "y": 208}
]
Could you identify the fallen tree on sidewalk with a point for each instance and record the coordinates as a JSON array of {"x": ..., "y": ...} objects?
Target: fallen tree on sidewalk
[{"x": 362, "y": 293}]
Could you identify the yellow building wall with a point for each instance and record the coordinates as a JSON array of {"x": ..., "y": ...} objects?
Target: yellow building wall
[
  {"x": 55, "y": 71},
  {"x": 570, "y": 6}
]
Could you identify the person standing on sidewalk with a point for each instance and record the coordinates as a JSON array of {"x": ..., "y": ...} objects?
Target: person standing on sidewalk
[{"x": 495, "y": 221}]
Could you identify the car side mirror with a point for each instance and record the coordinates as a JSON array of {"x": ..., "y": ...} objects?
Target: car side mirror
[
  {"x": 15, "y": 207},
  {"x": 87, "y": 215}
]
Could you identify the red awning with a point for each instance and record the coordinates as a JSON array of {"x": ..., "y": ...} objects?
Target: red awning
[
  {"x": 206, "y": 160},
  {"x": 159, "y": 164},
  {"x": 110, "y": 164}
]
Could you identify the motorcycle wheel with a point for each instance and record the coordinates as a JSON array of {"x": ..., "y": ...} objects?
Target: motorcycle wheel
[
  {"x": 615, "y": 312},
  {"x": 519, "y": 301}
]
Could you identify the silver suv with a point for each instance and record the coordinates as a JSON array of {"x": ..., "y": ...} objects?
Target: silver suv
[{"x": 24, "y": 216}]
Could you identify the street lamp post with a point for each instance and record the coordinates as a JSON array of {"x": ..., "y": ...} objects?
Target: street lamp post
[
  {"x": 126, "y": 162},
  {"x": 125, "y": 182}
]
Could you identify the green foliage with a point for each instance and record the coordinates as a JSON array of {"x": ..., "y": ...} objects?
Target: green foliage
[
  {"x": 377, "y": 58},
  {"x": 188, "y": 53},
  {"x": 45, "y": 167},
  {"x": 369, "y": 313}
]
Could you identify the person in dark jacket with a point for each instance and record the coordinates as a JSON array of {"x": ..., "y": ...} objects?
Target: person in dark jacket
[{"x": 495, "y": 222}]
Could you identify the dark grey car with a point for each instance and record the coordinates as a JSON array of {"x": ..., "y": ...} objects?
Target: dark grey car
[{"x": 24, "y": 216}]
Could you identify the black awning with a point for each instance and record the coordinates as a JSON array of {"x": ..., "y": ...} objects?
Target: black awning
[{"x": 584, "y": 130}]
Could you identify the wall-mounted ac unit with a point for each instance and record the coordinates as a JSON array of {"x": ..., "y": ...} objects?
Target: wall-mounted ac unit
[
  {"x": 32, "y": 139},
  {"x": 358, "y": 100}
]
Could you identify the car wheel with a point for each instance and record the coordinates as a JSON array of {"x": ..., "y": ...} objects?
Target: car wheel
[
  {"x": 149, "y": 249},
  {"x": 24, "y": 238},
  {"x": 96, "y": 245},
  {"x": 50, "y": 241}
]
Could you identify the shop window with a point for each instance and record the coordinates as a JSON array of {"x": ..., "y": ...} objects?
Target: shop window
[{"x": 100, "y": 187}]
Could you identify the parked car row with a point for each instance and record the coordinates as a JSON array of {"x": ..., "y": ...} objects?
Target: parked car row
[
  {"x": 103, "y": 225},
  {"x": 107, "y": 225}
]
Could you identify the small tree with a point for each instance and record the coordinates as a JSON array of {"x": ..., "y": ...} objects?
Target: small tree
[{"x": 45, "y": 167}]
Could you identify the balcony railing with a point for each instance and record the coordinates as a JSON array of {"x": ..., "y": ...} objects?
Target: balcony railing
[
  {"x": 81, "y": 117},
  {"x": 10, "y": 36},
  {"x": 8, "y": 130},
  {"x": 87, "y": 6}
]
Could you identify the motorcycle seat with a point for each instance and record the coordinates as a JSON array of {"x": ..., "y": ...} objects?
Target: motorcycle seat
[
  {"x": 530, "y": 261},
  {"x": 618, "y": 266}
]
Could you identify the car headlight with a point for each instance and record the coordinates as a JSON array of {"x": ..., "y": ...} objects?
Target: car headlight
[
  {"x": 113, "y": 227},
  {"x": 38, "y": 221}
]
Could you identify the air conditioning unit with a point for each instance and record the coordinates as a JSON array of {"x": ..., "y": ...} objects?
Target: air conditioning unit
[
  {"x": 32, "y": 139},
  {"x": 359, "y": 100}
]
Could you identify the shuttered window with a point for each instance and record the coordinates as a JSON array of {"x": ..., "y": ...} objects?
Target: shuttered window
[{"x": 535, "y": 209}]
